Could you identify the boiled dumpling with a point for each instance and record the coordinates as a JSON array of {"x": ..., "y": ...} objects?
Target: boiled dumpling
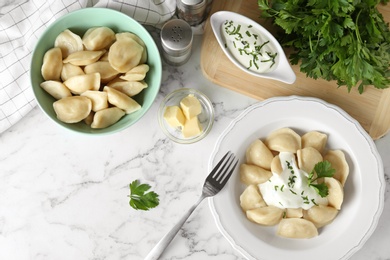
[
  {"x": 83, "y": 58},
  {"x": 56, "y": 89},
  {"x": 81, "y": 83},
  {"x": 259, "y": 154},
  {"x": 307, "y": 158},
  {"x": 89, "y": 119},
  {"x": 251, "y": 198},
  {"x": 294, "y": 213},
  {"x": 98, "y": 38},
  {"x": 276, "y": 165},
  {"x": 68, "y": 42},
  {"x": 137, "y": 73},
  {"x": 125, "y": 54},
  {"x": 72, "y": 109},
  {"x": 104, "y": 57},
  {"x": 70, "y": 70},
  {"x": 284, "y": 140},
  {"x": 99, "y": 99},
  {"x": 52, "y": 64},
  {"x": 121, "y": 100},
  {"x": 314, "y": 139},
  {"x": 125, "y": 35},
  {"x": 267, "y": 216},
  {"x": 336, "y": 192},
  {"x": 320, "y": 215},
  {"x": 253, "y": 174},
  {"x": 107, "y": 72},
  {"x": 130, "y": 88},
  {"x": 106, "y": 117},
  {"x": 339, "y": 163},
  {"x": 296, "y": 228}
]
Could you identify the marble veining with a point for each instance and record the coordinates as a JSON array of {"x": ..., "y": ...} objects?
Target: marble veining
[{"x": 65, "y": 196}]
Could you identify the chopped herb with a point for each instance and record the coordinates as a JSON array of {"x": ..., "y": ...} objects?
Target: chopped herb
[
  {"x": 293, "y": 192},
  {"x": 255, "y": 51}
]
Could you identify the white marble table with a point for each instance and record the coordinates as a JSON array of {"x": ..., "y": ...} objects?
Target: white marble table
[{"x": 64, "y": 195}]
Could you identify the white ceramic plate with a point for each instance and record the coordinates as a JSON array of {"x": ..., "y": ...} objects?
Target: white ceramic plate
[
  {"x": 364, "y": 189},
  {"x": 283, "y": 71}
]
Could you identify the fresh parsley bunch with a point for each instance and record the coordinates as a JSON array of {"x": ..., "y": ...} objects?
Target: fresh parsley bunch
[{"x": 343, "y": 40}]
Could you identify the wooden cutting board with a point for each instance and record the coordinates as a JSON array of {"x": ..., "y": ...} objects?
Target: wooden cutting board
[{"x": 371, "y": 109}]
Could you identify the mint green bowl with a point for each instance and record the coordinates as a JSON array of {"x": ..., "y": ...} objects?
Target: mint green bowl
[{"x": 79, "y": 22}]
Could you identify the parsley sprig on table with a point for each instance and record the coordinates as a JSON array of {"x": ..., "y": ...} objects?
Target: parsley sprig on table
[
  {"x": 321, "y": 170},
  {"x": 140, "y": 200},
  {"x": 347, "y": 41}
]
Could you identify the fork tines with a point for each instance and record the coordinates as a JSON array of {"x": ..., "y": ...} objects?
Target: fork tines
[{"x": 224, "y": 169}]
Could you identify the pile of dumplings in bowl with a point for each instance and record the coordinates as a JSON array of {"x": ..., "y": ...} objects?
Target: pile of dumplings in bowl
[{"x": 94, "y": 77}]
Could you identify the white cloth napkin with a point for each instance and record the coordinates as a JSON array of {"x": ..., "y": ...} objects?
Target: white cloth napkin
[{"x": 21, "y": 24}]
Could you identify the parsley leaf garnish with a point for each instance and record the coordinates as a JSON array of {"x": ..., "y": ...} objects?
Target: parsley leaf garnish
[
  {"x": 140, "y": 200},
  {"x": 321, "y": 170}
]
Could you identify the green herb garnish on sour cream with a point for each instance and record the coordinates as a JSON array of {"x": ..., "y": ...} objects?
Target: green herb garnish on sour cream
[
  {"x": 249, "y": 47},
  {"x": 322, "y": 169}
]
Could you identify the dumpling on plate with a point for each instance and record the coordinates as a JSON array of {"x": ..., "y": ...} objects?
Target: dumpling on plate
[
  {"x": 336, "y": 192},
  {"x": 52, "y": 64},
  {"x": 339, "y": 163},
  {"x": 68, "y": 42},
  {"x": 253, "y": 174},
  {"x": 266, "y": 216},
  {"x": 284, "y": 140},
  {"x": 296, "y": 228},
  {"x": 308, "y": 157},
  {"x": 314, "y": 139},
  {"x": 251, "y": 198},
  {"x": 259, "y": 154},
  {"x": 72, "y": 109},
  {"x": 98, "y": 38},
  {"x": 320, "y": 215}
]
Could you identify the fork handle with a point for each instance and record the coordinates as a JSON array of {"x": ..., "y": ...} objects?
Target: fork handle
[{"x": 166, "y": 240}]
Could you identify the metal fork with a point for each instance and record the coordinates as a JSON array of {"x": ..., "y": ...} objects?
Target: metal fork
[{"x": 212, "y": 185}]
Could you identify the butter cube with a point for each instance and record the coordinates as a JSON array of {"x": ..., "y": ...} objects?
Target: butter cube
[
  {"x": 190, "y": 106},
  {"x": 192, "y": 127},
  {"x": 174, "y": 116}
]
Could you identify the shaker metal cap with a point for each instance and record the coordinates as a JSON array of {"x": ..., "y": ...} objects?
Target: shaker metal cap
[
  {"x": 191, "y": 4},
  {"x": 176, "y": 36}
]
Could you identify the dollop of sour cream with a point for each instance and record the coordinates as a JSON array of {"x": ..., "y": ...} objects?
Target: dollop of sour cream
[
  {"x": 249, "y": 47},
  {"x": 290, "y": 189}
]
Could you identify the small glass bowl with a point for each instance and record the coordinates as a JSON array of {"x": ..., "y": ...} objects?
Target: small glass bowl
[{"x": 206, "y": 117}]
